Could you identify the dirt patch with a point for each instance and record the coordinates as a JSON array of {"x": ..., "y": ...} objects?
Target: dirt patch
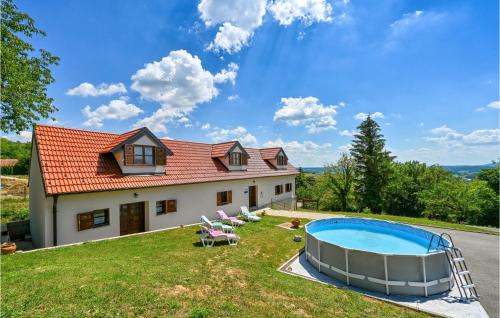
[
  {"x": 172, "y": 290},
  {"x": 289, "y": 226},
  {"x": 14, "y": 187}
]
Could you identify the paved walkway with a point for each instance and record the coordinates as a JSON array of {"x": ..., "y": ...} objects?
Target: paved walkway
[{"x": 481, "y": 252}]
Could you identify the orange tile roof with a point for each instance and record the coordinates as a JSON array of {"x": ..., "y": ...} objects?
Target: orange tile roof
[
  {"x": 8, "y": 162},
  {"x": 71, "y": 162},
  {"x": 221, "y": 149},
  {"x": 269, "y": 153},
  {"x": 120, "y": 139}
]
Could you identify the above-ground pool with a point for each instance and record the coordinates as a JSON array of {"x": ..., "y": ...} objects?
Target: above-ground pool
[{"x": 378, "y": 255}]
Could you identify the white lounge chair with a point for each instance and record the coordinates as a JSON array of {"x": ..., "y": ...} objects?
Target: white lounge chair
[
  {"x": 249, "y": 216},
  {"x": 208, "y": 237}
]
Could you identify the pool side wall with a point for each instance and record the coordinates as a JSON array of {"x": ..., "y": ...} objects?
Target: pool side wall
[{"x": 405, "y": 273}]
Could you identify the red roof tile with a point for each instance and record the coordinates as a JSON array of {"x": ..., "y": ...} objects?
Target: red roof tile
[
  {"x": 71, "y": 162},
  {"x": 120, "y": 139},
  {"x": 269, "y": 153},
  {"x": 8, "y": 162},
  {"x": 221, "y": 149}
]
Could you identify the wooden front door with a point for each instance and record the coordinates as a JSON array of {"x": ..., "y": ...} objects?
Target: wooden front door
[
  {"x": 132, "y": 218},
  {"x": 252, "y": 196}
]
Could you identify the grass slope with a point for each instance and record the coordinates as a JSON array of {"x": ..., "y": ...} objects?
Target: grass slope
[
  {"x": 13, "y": 209},
  {"x": 415, "y": 221},
  {"x": 168, "y": 274}
]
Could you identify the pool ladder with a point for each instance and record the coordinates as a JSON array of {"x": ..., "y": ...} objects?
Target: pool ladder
[{"x": 458, "y": 266}]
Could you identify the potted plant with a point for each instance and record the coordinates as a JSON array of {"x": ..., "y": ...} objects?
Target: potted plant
[
  {"x": 295, "y": 223},
  {"x": 8, "y": 248}
]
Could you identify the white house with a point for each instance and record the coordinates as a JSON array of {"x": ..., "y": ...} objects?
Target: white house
[{"x": 87, "y": 185}]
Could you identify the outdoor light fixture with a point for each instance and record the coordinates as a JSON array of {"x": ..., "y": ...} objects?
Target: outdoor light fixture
[{"x": 136, "y": 194}]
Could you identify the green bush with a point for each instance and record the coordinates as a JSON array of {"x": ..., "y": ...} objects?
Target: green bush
[{"x": 199, "y": 313}]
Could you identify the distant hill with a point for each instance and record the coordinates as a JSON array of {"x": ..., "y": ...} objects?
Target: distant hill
[
  {"x": 468, "y": 169},
  {"x": 461, "y": 170}
]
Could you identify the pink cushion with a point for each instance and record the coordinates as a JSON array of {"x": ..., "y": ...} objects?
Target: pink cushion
[{"x": 216, "y": 232}]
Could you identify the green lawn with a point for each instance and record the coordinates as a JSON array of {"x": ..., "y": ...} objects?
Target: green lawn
[
  {"x": 415, "y": 221},
  {"x": 13, "y": 209},
  {"x": 170, "y": 274}
]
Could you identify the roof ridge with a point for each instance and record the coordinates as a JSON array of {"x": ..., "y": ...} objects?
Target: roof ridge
[
  {"x": 85, "y": 130},
  {"x": 269, "y": 148}
]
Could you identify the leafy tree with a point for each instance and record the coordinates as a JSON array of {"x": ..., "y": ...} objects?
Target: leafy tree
[
  {"x": 372, "y": 164},
  {"x": 25, "y": 75},
  {"x": 323, "y": 190},
  {"x": 304, "y": 185},
  {"x": 342, "y": 180},
  {"x": 447, "y": 200},
  {"x": 487, "y": 204},
  {"x": 16, "y": 150},
  {"x": 401, "y": 195},
  {"x": 491, "y": 176}
]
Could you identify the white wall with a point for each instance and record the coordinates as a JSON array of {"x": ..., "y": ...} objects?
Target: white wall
[
  {"x": 38, "y": 202},
  {"x": 192, "y": 201}
]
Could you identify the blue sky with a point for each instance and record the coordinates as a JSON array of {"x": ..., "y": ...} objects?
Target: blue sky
[{"x": 293, "y": 73}]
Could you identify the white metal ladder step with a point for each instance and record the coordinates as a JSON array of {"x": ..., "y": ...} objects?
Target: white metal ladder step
[{"x": 458, "y": 266}]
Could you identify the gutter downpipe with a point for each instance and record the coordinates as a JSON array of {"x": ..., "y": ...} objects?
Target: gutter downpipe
[{"x": 54, "y": 220}]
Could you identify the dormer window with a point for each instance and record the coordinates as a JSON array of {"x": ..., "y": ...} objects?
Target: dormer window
[
  {"x": 235, "y": 159},
  {"x": 281, "y": 160},
  {"x": 143, "y": 155}
]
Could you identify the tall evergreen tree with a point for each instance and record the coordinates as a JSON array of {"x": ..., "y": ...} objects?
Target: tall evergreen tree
[{"x": 372, "y": 165}]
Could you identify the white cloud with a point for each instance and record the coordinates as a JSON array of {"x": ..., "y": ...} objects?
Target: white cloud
[
  {"x": 482, "y": 137},
  {"x": 421, "y": 124},
  {"x": 117, "y": 109},
  {"x": 233, "y": 97},
  {"x": 413, "y": 21},
  {"x": 344, "y": 148},
  {"x": 441, "y": 130},
  {"x": 451, "y": 138},
  {"x": 205, "y": 126},
  {"x": 347, "y": 133},
  {"x": 87, "y": 89},
  {"x": 306, "y": 11},
  {"x": 23, "y": 136},
  {"x": 494, "y": 104},
  {"x": 227, "y": 75},
  {"x": 306, "y": 153},
  {"x": 293, "y": 146},
  {"x": 238, "y": 19},
  {"x": 230, "y": 39},
  {"x": 308, "y": 112},
  {"x": 179, "y": 83},
  {"x": 363, "y": 116},
  {"x": 239, "y": 133}
]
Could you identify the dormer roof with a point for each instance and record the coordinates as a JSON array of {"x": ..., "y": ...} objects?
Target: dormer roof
[
  {"x": 223, "y": 149},
  {"x": 271, "y": 153},
  {"x": 131, "y": 136}
]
